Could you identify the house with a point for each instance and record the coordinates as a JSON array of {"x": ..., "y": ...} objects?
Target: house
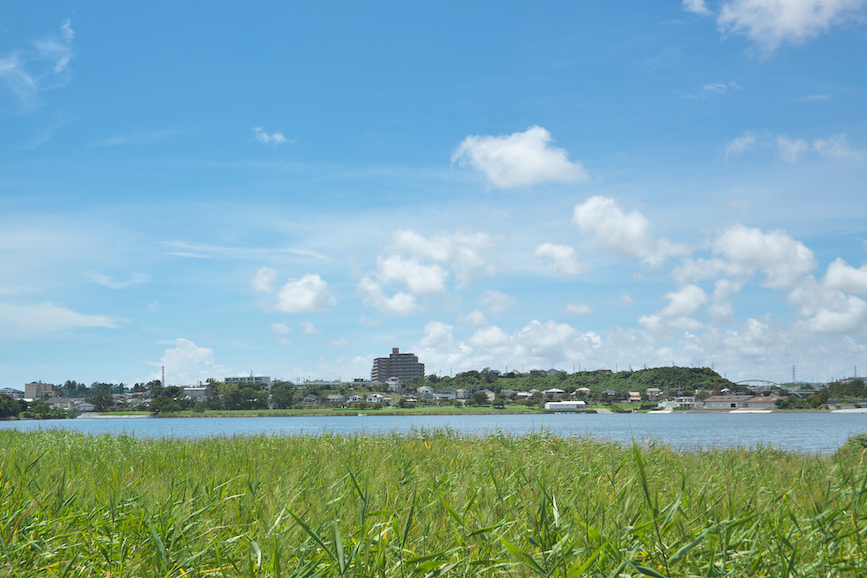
[
  {"x": 551, "y": 372},
  {"x": 446, "y": 393},
  {"x": 310, "y": 399},
  {"x": 507, "y": 392},
  {"x": 728, "y": 402},
  {"x": 13, "y": 393},
  {"x": 609, "y": 393},
  {"x": 764, "y": 402},
  {"x": 83, "y": 406},
  {"x": 462, "y": 394},
  {"x": 685, "y": 401},
  {"x": 336, "y": 399},
  {"x": 61, "y": 402},
  {"x": 355, "y": 399},
  {"x": 199, "y": 392},
  {"x": 559, "y": 405},
  {"x": 538, "y": 373},
  {"x": 633, "y": 396},
  {"x": 375, "y": 398},
  {"x": 652, "y": 393},
  {"x": 424, "y": 389},
  {"x": 523, "y": 395},
  {"x": 553, "y": 393},
  {"x": 427, "y": 396}
]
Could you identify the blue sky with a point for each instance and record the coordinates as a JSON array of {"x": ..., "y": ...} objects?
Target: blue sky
[{"x": 294, "y": 189}]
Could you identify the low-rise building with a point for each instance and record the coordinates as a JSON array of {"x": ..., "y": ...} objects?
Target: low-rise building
[
  {"x": 633, "y": 396},
  {"x": 560, "y": 405}
]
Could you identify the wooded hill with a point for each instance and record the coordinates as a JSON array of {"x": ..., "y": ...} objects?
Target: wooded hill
[{"x": 666, "y": 379}]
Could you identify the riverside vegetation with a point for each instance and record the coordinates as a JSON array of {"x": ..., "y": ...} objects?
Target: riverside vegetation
[{"x": 425, "y": 504}]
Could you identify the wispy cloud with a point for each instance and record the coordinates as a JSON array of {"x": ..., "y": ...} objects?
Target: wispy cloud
[
  {"x": 274, "y": 138},
  {"x": 45, "y": 65},
  {"x": 108, "y": 280},
  {"x": 48, "y": 317},
  {"x": 714, "y": 89},
  {"x": 204, "y": 251},
  {"x": 140, "y": 137}
]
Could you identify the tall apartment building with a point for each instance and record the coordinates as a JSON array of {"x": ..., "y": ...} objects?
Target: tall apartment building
[
  {"x": 37, "y": 389},
  {"x": 404, "y": 366}
]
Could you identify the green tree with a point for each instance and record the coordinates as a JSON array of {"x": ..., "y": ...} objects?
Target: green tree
[
  {"x": 480, "y": 398},
  {"x": 282, "y": 396},
  {"x": 101, "y": 401}
]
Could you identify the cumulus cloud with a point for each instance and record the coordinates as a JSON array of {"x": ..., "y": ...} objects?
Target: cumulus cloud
[
  {"x": 475, "y": 318},
  {"x": 783, "y": 260},
  {"x": 769, "y": 23},
  {"x": 264, "y": 280},
  {"x": 625, "y": 235},
  {"x": 577, "y": 309},
  {"x": 562, "y": 257},
  {"x": 840, "y": 275},
  {"x": 426, "y": 280},
  {"x": 400, "y": 303},
  {"x": 187, "y": 363},
  {"x": 519, "y": 159},
  {"x": 274, "y": 138},
  {"x": 683, "y": 302},
  {"x": 828, "y": 310},
  {"x": 48, "y": 318},
  {"x": 309, "y": 294},
  {"x": 497, "y": 301},
  {"x": 467, "y": 253},
  {"x": 309, "y": 329}
]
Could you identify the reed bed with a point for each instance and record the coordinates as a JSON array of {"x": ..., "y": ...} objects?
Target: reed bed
[{"x": 425, "y": 504}]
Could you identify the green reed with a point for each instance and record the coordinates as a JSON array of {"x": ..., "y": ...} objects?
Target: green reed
[{"x": 425, "y": 504}]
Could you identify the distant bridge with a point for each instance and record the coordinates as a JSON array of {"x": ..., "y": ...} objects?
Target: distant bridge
[{"x": 761, "y": 384}]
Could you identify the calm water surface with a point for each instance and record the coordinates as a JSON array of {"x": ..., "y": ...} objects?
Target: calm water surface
[{"x": 807, "y": 432}]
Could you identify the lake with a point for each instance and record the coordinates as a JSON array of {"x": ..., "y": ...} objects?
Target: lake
[{"x": 805, "y": 432}]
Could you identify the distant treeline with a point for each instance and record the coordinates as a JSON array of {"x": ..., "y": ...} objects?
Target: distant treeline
[{"x": 666, "y": 379}]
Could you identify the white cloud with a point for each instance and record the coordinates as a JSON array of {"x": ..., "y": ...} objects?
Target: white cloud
[
  {"x": 840, "y": 275},
  {"x": 475, "y": 318},
  {"x": 281, "y": 328},
  {"x": 519, "y": 159},
  {"x": 340, "y": 342},
  {"x": 108, "y": 281},
  {"x": 153, "y": 307},
  {"x": 48, "y": 317},
  {"x": 67, "y": 31},
  {"x": 24, "y": 71},
  {"x": 783, "y": 260},
  {"x": 562, "y": 257},
  {"x": 427, "y": 280},
  {"x": 264, "y": 280},
  {"x": 465, "y": 252},
  {"x": 715, "y": 88},
  {"x": 398, "y": 304},
  {"x": 274, "y": 139},
  {"x": 497, "y": 301},
  {"x": 309, "y": 329},
  {"x": 828, "y": 310},
  {"x": 368, "y": 322},
  {"x": 790, "y": 150},
  {"x": 683, "y": 302},
  {"x": 187, "y": 363},
  {"x": 696, "y": 7},
  {"x": 577, "y": 309},
  {"x": 622, "y": 301},
  {"x": 836, "y": 147},
  {"x": 625, "y": 235},
  {"x": 769, "y": 23},
  {"x": 438, "y": 348},
  {"x": 309, "y": 294},
  {"x": 742, "y": 143}
]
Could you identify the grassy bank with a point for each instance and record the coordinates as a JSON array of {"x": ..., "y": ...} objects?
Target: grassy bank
[
  {"x": 423, "y": 504},
  {"x": 330, "y": 412}
]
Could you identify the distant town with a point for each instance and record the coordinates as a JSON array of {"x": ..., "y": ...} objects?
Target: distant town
[{"x": 398, "y": 381}]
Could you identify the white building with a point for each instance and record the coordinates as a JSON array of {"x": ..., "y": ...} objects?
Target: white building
[{"x": 558, "y": 405}]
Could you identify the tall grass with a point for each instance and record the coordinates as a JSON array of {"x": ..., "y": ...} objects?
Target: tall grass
[{"x": 425, "y": 504}]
